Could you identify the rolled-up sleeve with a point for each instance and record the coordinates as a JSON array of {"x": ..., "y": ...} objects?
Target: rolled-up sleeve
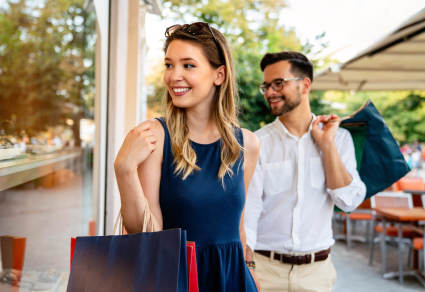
[
  {"x": 253, "y": 206},
  {"x": 351, "y": 196}
]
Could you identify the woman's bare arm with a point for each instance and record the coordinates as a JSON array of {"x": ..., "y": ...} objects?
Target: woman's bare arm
[{"x": 138, "y": 172}]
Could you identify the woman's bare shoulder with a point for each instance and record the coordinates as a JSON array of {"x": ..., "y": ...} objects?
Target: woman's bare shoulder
[{"x": 251, "y": 141}]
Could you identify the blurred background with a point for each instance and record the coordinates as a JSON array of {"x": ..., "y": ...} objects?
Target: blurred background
[{"x": 77, "y": 75}]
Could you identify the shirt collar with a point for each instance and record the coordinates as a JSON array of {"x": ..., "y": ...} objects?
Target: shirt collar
[{"x": 282, "y": 129}]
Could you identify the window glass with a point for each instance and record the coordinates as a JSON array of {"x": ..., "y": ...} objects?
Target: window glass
[{"x": 47, "y": 87}]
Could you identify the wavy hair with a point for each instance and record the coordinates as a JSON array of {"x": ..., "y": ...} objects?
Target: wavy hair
[{"x": 217, "y": 51}]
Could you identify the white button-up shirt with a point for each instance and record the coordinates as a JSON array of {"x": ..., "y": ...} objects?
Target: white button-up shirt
[{"x": 289, "y": 208}]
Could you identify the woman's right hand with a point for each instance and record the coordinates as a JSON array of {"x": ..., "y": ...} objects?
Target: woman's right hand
[{"x": 139, "y": 143}]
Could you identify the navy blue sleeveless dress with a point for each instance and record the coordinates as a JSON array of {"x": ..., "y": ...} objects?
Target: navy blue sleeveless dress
[{"x": 209, "y": 213}]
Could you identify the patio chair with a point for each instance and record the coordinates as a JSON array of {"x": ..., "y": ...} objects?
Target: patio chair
[
  {"x": 391, "y": 200},
  {"x": 418, "y": 243},
  {"x": 413, "y": 184},
  {"x": 362, "y": 213}
]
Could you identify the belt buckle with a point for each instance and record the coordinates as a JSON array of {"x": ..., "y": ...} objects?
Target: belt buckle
[
  {"x": 298, "y": 260},
  {"x": 308, "y": 258}
]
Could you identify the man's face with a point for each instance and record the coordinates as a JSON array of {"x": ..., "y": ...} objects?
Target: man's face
[{"x": 289, "y": 96}]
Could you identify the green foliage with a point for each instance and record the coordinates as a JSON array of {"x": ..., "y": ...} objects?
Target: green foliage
[
  {"x": 407, "y": 118},
  {"x": 252, "y": 28},
  {"x": 43, "y": 78},
  {"x": 318, "y": 104},
  {"x": 403, "y": 111}
]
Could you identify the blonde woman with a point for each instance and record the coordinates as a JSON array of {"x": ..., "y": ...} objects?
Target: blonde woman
[{"x": 191, "y": 169}]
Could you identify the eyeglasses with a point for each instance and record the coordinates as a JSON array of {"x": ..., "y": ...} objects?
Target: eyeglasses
[
  {"x": 276, "y": 84},
  {"x": 196, "y": 28}
]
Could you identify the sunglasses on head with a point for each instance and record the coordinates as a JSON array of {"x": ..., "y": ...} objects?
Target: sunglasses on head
[{"x": 195, "y": 29}]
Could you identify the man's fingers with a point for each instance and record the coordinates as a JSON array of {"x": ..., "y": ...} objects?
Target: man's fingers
[
  {"x": 316, "y": 122},
  {"x": 328, "y": 118}
]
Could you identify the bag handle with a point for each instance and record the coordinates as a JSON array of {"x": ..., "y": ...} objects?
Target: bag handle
[
  {"x": 118, "y": 224},
  {"x": 147, "y": 217}
]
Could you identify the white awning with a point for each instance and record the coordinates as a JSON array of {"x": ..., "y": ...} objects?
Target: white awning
[{"x": 397, "y": 62}]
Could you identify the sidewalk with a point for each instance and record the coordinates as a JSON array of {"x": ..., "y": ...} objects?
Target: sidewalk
[{"x": 355, "y": 275}]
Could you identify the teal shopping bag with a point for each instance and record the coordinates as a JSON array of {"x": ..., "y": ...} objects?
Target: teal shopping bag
[{"x": 379, "y": 160}]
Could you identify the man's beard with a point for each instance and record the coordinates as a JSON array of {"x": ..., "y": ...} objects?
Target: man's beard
[{"x": 287, "y": 106}]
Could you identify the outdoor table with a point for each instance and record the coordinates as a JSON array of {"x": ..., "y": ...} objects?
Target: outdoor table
[{"x": 399, "y": 216}]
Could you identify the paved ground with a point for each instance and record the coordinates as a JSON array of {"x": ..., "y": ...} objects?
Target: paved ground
[{"x": 355, "y": 275}]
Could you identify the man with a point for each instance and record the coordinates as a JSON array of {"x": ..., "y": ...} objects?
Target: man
[{"x": 306, "y": 166}]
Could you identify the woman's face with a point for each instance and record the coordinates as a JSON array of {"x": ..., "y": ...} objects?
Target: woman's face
[{"x": 190, "y": 79}]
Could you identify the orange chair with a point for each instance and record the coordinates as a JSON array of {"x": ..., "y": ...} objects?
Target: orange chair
[
  {"x": 411, "y": 183},
  {"x": 362, "y": 213},
  {"x": 418, "y": 244}
]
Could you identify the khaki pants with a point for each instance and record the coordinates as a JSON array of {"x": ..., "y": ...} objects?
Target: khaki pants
[{"x": 276, "y": 276}]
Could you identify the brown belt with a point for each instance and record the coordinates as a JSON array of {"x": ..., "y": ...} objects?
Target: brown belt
[{"x": 296, "y": 259}]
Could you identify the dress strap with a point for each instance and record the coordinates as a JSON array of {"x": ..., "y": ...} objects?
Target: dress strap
[
  {"x": 166, "y": 153},
  {"x": 239, "y": 135},
  {"x": 166, "y": 133}
]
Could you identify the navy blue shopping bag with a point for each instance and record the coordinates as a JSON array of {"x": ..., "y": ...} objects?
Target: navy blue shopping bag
[
  {"x": 379, "y": 160},
  {"x": 149, "y": 261}
]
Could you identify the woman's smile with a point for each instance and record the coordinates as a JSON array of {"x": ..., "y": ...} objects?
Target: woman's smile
[{"x": 179, "y": 91}]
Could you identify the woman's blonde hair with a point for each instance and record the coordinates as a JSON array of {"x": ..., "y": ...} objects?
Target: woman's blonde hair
[{"x": 217, "y": 51}]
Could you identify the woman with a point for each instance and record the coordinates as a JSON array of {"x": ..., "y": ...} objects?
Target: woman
[{"x": 190, "y": 170}]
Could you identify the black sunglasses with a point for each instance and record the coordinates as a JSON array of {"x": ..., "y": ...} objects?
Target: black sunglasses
[{"x": 196, "y": 28}]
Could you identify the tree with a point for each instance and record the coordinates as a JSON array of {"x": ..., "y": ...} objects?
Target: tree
[
  {"x": 403, "y": 111},
  {"x": 407, "y": 118},
  {"x": 252, "y": 29},
  {"x": 44, "y": 80}
]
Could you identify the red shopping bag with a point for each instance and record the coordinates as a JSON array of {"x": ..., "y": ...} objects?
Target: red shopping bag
[
  {"x": 73, "y": 239},
  {"x": 192, "y": 268}
]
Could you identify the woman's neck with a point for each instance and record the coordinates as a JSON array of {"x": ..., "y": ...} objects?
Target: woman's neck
[{"x": 202, "y": 127}]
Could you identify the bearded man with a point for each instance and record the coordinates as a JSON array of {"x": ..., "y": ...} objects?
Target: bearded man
[{"x": 306, "y": 166}]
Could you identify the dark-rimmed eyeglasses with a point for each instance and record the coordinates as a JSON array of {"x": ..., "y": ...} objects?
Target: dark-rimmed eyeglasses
[{"x": 276, "y": 84}]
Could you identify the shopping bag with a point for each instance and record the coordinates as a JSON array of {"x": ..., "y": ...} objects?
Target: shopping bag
[
  {"x": 149, "y": 261},
  {"x": 73, "y": 239},
  {"x": 192, "y": 268},
  {"x": 379, "y": 160}
]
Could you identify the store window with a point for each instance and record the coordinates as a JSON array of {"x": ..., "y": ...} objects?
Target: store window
[{"x": 47, "y": 132}]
